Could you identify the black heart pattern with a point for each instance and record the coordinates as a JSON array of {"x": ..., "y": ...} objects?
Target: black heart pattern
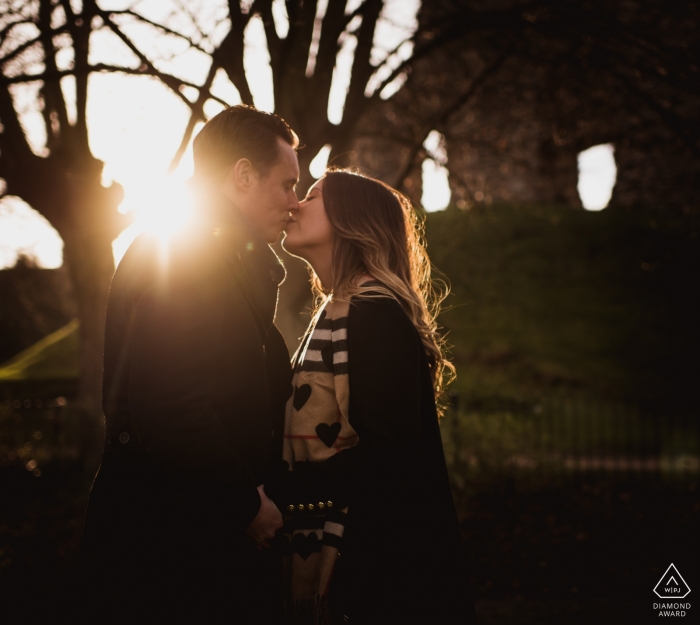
[
  {"x": 306, "y": 545},
  {"x": 328, "y": 433},
  {"x": 301, "y": 396},
  {"x": 327, "y": 356}
]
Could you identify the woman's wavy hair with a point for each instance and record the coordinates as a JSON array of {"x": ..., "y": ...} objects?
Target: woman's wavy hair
[{"x": 377, "y": 232}]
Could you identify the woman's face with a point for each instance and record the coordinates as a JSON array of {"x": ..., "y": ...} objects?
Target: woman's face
[{"x": 309, "y": 233}]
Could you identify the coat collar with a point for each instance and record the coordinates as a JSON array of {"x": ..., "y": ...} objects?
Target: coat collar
[{"x": 244, "y": 248}]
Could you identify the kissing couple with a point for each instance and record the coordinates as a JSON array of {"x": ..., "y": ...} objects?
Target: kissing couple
[{"x": 237, "y": 486}]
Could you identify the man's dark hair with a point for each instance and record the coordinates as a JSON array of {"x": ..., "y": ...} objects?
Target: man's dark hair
[{"x": 239, "y": 132}]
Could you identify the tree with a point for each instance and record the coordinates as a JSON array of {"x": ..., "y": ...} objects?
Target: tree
[
  {"x": 303, "y": 62},
  {"x": 45, "y": 49},
  {"x": 45, "y": 54}
]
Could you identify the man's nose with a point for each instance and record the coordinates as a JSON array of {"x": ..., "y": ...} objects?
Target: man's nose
[{"x": 294, "y": 205}]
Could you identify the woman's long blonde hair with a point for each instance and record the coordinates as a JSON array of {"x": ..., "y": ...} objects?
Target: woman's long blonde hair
[{"x": 377, "y": 232}]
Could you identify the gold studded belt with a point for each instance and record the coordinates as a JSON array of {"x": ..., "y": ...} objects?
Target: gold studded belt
[{"x": 313, "y": 508}]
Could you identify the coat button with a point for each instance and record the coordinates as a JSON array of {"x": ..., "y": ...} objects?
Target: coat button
[
  {"x": 290, "y": 507},
  {"x": 300, "y": 506},
  {"x": 124, "y": 438},
  {"x": 311, "y": 506},
  {"x": 321, "y": 505}
]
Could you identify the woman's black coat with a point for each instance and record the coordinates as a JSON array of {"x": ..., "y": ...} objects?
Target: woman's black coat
[
  {"x": 401, "y": 555},
  {"x": 195, "y": 381}
]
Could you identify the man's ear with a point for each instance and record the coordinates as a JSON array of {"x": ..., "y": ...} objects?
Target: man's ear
[{"x": 241, "y": 175}]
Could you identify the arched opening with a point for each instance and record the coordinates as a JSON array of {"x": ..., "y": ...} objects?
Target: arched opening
[
  {"x": 436, "y": 183},
  {"x": 597, "y": 173}
]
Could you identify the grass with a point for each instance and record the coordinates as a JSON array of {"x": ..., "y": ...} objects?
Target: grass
[
  {"x": 548, "y": 301},
  {"x": 55, "y": 357}
]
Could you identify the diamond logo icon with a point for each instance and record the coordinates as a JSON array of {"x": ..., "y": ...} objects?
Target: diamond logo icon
[{"x": 671, "y": 585}]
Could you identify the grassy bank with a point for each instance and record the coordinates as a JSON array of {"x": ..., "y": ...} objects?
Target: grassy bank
[{"x": 549, "y": 301}]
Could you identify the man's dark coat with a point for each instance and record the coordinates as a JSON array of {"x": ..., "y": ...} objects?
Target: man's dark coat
[{"x": 195, "y": 382}]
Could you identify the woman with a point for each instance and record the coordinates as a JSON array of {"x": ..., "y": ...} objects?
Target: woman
[{"x": 372, "y": 527}]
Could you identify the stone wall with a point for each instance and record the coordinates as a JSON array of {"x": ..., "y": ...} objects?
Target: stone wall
[{"x": 538, "y": 99}]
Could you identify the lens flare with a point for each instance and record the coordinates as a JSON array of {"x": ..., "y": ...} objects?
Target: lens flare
[{"x": 162, "y": 207}]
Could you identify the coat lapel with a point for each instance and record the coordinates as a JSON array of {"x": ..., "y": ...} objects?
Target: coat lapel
[{"x": 253, "y": 262}]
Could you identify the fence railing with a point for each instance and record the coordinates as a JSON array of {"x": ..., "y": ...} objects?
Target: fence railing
[
  {"x": 553, "y": 436},
  {"x": 559, "y": 435},
  {"x": 35, "y": 433}
]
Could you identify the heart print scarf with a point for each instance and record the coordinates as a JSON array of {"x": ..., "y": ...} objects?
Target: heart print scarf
[{"x": 316, "y": 428}]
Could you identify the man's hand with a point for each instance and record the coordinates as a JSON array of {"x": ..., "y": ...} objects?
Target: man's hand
[{"x": 267, "y": 521}]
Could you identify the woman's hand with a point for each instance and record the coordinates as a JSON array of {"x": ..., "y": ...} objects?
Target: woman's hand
[{"x": 266, "y": 522}]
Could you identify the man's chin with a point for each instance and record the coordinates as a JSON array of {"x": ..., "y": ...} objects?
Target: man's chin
[
  {"x": 288, "y": 246},
  {"x": 284, "y": 242},
  {"x": 272, "y": 237}
]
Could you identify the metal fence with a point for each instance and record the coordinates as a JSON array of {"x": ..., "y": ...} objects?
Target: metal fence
[
  {"x": 570, "y": 436},
  {"x": 35, "y": 433},
  {"x": 553, "y": 436}
]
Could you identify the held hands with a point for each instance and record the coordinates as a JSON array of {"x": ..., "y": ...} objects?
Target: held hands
[{"x": 266, "y": 522}]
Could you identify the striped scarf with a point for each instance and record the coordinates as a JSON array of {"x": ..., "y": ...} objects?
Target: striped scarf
[{"x": 317, "y": 427}]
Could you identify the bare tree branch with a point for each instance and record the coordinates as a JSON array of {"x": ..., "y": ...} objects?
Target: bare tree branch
[
  {"x": 332, "y": 27},
  {"x": 353, "y": 14},
  {"x": 7, "y": 29},
  {"x": 441, "y": 118},
  {"x": 362, "y": 69},
  {"x": 15, "y": 52},
  {"x": 196, "y": 115},
  {"x": 148, "y": 68},
  {"x": 229, "y": 54},
  {"x": 53, "y": 96},
  {"x": 509, "y": 20},
  {"x": 274, "y": 43},
  {"x": 673, "y": 122},
  {"x": 80, "y": 32},
  {"x": 302, "y": 17},
  {"x": 162, "y": 27},
  {"x": 15, "y": 153},
  {"x": 105, "y": 67}
]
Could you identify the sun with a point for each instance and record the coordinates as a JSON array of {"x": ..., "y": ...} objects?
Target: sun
[{"x": 162, "y": 206}]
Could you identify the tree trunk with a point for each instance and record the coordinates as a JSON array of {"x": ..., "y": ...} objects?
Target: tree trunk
[
  {"x": 305, "y": 156},
  {"x": 89, "y": 259},
  {"x": 85, "y": 215}
]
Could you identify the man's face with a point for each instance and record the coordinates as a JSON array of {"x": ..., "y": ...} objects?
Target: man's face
[{"x": 271, "y": 198}]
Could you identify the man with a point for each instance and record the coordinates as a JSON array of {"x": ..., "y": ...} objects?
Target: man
[{"x": 195, "y": 382}]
